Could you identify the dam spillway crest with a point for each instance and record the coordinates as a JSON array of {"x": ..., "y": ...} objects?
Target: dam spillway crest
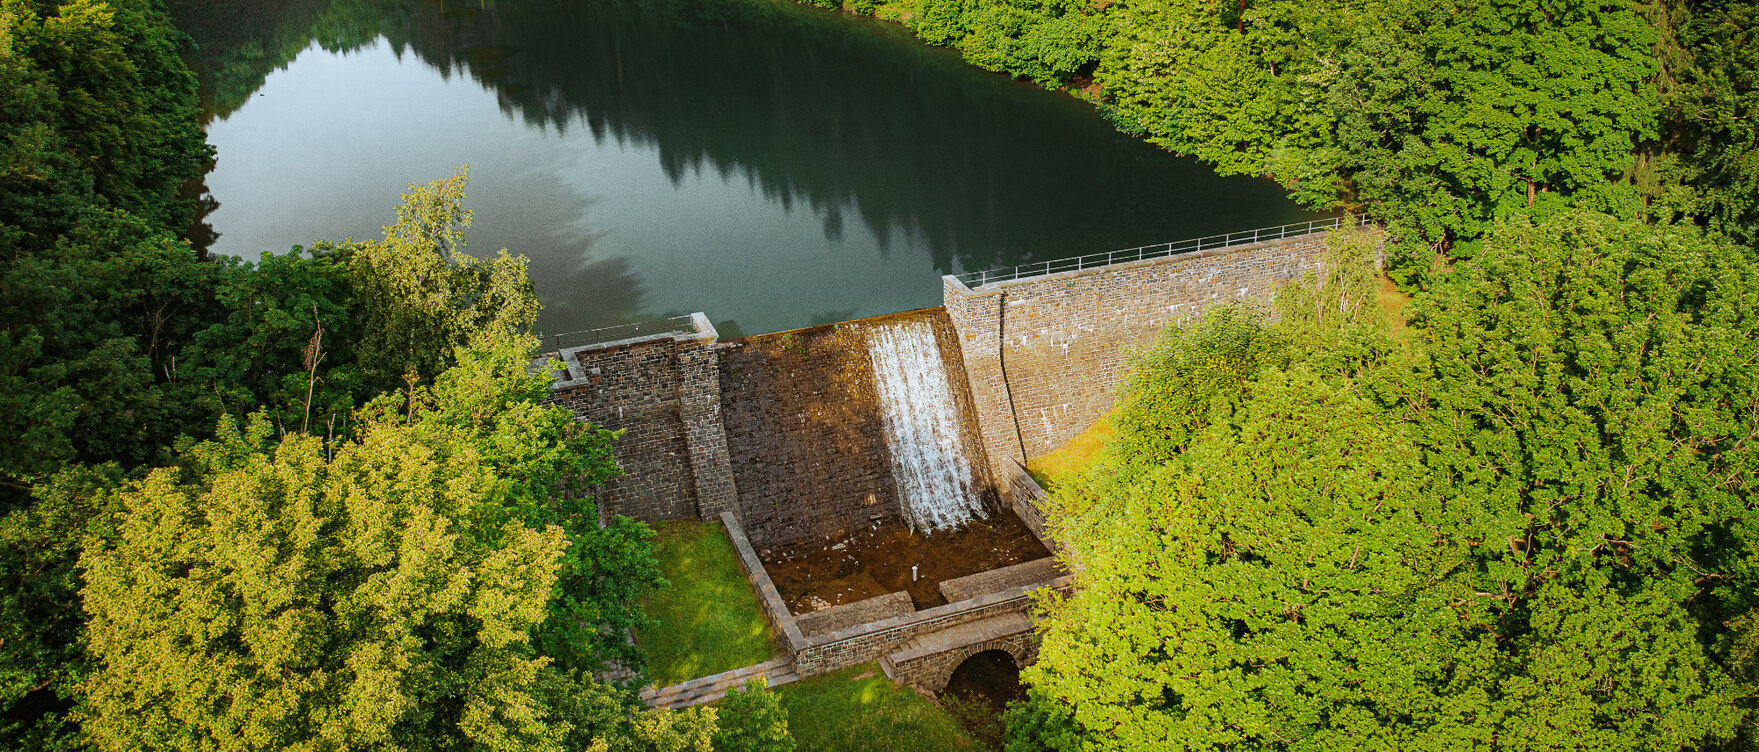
[{"x": 936, "y": 487}]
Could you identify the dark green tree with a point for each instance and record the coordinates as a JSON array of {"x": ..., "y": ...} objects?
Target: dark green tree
[
  {"x": 1524, "y": 526},
  {"x": 1711, "y": 168},
  {"x": 97, "y": 134}
]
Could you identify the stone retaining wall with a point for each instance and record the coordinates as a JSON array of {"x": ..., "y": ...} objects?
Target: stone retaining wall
[
  {"x": 664, "y": 393},
  {"x": 775, "y": 610},
  {"x": 1028, "y": 500},
  {"x": 850, "y": 614},
  {"x": 1045, "y": 354},
  {"x": 824, "y": 652},
  {"x": 867, "y": 642},
  {"x": 996, "y": 580}
]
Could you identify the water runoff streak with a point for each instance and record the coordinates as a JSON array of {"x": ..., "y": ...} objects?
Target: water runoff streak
[{"x": 922, "y": 427}]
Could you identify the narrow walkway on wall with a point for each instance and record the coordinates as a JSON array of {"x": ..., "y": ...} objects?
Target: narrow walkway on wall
[{"x": 922, "y": 427}]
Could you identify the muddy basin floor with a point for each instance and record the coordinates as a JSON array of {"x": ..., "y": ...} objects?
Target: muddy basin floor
[{"x": 877, "y": 561}]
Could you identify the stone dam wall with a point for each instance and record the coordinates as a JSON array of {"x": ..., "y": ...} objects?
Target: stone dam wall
[
  {"x": 804, "y": 425},
  {"x": 1046, "y": 354},
  {"x": 782, "y": 439},
  {"x": 786, "y": 430}
]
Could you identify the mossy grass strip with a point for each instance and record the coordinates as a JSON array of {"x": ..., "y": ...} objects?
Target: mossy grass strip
[{"x": 708, "y": 621}]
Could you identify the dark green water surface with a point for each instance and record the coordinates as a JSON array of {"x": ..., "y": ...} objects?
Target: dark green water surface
[{"x": 770, "y": 164}]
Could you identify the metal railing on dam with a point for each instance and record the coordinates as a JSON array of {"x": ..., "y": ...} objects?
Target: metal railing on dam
[
  {"x": 635, "y": 330},
  {"x": 1206, "y": 243}
]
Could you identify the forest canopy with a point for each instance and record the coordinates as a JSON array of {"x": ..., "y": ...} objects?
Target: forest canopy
[
  {"x": 316, "y": 501},
  {"x": 1438, "y": 118},
  {"x": 1524, "y": 524}
]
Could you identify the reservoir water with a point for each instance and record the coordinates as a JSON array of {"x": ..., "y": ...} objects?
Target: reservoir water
[{"x": 771, "y": 164}]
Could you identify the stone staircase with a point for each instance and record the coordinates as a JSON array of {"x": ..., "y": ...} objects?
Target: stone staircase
[{"x": 776, "y": 671}]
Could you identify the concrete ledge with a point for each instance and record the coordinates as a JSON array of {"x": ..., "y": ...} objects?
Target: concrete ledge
[
  {"x": 996, "y": 580},
  {"x": 767, "y": 595},
  {"x": 859, "y": 612}
]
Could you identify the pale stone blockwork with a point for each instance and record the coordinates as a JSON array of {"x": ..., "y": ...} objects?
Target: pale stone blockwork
[
  {"x": 1045, "y": 354},
  {"x": 996, "y": 580}
]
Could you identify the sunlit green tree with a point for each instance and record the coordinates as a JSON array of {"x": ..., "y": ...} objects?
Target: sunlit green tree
[
  {"x": 418, "y": 295},
  {"x": 380, "y": 591}
]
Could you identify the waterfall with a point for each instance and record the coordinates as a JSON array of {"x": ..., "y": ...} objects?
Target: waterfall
[{"x": 922, "y": 427}]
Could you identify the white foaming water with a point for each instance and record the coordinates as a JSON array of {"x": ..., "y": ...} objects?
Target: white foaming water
[{"x": 922, "y": 427}]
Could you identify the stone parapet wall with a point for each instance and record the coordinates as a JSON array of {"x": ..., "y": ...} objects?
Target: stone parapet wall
[
  {"x": 663, "y": 392},
  {"x": 775, "y": 610},
  {"x": 1046, "y": 354},
  {"x": 850, "y": 614},
  {"x": 1028, "y": 500},
  {"x": 996, "y": 580}
]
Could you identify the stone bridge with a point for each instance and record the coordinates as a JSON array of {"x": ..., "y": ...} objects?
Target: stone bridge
[{"x": 928, "y": 662}]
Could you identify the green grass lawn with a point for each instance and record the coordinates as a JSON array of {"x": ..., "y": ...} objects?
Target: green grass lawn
[
  {"x": 708, "y": 621},
  {"x": 840, "y": 713}
]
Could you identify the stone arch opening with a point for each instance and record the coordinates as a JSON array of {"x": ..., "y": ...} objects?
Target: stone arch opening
[
  {"x": 990, "y": 676},
  {"x": 953, "y": 660}
]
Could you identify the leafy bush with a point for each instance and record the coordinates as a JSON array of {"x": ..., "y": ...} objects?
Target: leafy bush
[{"x": 752, "y": 720}]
